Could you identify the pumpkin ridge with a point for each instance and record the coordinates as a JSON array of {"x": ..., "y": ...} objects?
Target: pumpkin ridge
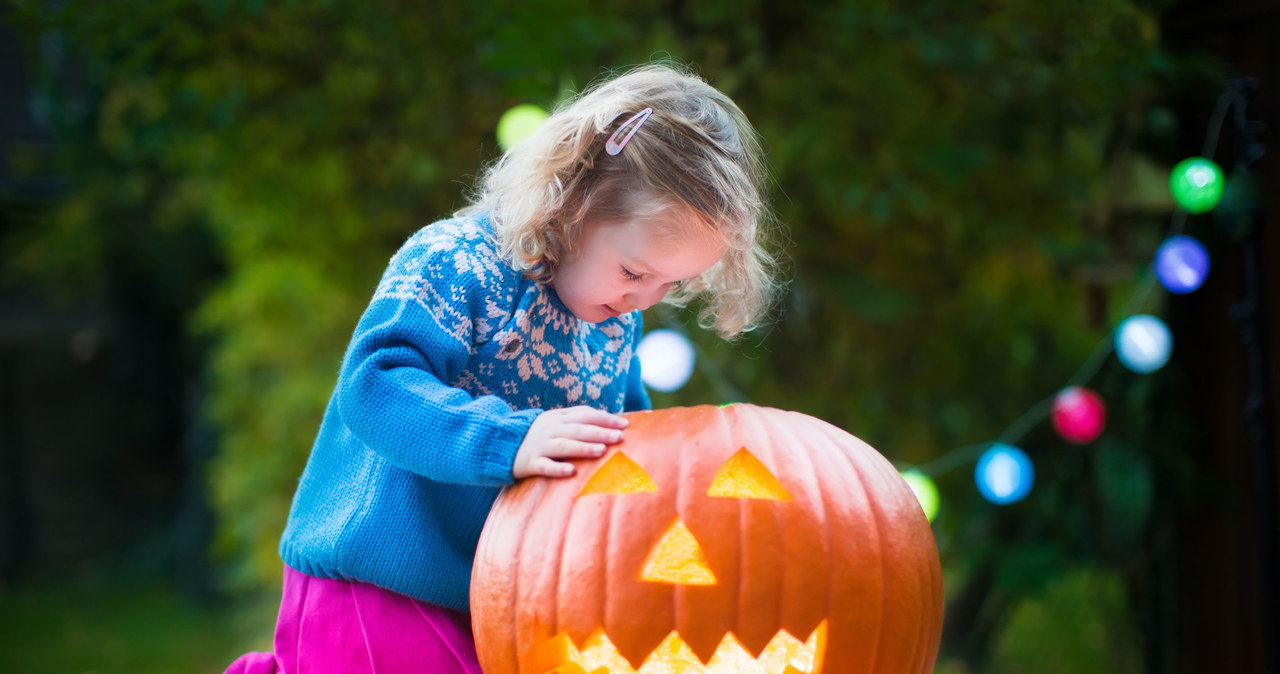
[
  {"x": 524, "y": 560},
  {"x": 858, "y": 473},
  {"x": 510, "y": 608},
  {"x": 935, "y": 575},
  {"x": 925, "y": 588},
  {"x": 920, "y": 597},
  {"x": 921, "y": 586},
  {"x": 578, "y": 549},
  {"x": 884, "y": 587},
  {"x": 731, "y": 417},
  {"x": 556, "y": 570},
  {"x": 923, "y": 602},
  {"x": 929, "y": 582},
  {"x": 703, "y": 614},
  {"x": 803, "y": 466},
  {"x": 677, "y": 593},
  {"x": 602, "y": 559},
  {"x": 796, "y": 463},
  {"x": 635, "y": 644},
  {"x": 823, "y": 507},
  {"x": 842, "y": 466},
  {"x": 521, "y": 549},
  {"x": 754, "y": 634}
]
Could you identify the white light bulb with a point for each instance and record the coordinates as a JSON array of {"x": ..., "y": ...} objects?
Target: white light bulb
[
  {"x": 1143, "y": 343},
  {"x": 666, "y": 360}
]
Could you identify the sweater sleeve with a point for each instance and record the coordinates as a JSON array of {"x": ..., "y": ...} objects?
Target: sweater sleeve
[{"x": 438, "y": 293}]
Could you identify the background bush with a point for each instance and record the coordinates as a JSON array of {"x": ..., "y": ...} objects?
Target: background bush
[{"x": 967, "y": 195}]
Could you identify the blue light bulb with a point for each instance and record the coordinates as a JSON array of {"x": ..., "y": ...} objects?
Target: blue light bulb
[
  {"x": 1004, "y": 474},
  {"x": 1181, "y": 264}
]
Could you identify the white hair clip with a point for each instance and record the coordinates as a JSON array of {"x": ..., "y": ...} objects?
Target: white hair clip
[{"x": 614, "y": 145}]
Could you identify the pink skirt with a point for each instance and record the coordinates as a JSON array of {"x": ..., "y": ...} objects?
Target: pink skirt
[{"x": 346, "y": 627}]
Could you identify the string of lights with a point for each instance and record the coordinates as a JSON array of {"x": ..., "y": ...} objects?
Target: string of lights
[{"x": 1003, "y": 472}]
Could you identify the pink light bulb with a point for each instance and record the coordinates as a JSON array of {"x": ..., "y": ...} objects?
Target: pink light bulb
[{"x": 1079, "y": 414}]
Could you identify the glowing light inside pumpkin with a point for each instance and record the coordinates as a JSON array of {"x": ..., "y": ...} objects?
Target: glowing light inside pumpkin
[
  {"x": 619, "y": 475},
  {"x": 678, "y": 559},
  {"x": 743, "y": 476},
  {"x": 784, "y": 654}
]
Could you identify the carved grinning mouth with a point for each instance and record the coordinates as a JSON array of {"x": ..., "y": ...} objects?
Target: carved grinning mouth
[{"x": 784, "y": 654}]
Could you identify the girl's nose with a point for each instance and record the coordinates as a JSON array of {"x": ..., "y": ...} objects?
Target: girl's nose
[{"x": 646, "y": 298}]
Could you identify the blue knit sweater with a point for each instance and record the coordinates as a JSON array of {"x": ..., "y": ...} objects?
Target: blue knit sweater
[{"x": 454, "y": 357}]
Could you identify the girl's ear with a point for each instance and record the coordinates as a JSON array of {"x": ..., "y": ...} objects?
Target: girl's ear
[{"x": 556, "y": 247}]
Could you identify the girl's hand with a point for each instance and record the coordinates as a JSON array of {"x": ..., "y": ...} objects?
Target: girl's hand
[{"x": 568, "y": 433}]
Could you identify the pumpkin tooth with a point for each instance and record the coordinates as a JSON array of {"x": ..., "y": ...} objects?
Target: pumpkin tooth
[
  {"x": 784, "y": 653},
  {"x": 703, "y": 642}
]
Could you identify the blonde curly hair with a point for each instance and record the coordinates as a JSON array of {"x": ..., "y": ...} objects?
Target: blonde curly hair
[{"x": 696, "y": 150}]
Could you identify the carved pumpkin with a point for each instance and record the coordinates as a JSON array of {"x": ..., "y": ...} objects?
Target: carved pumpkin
[{"x": 735, "y": 539}]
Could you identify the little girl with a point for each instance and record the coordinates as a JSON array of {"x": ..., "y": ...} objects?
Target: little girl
[{"x": 501, "y": 344}]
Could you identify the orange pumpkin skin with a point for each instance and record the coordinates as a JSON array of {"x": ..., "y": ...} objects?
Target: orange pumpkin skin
[{"x": 850, "y": 550}]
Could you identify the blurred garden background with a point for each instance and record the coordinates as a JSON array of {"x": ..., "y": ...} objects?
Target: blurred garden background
[{"x": 197, "y": 198}]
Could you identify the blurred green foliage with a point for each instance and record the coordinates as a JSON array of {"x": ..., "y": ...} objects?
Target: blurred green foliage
[
  {"x": 136, "y": 627},
  {"x": 967, "y": 193},
  {"x": 1071, "y": 626}
]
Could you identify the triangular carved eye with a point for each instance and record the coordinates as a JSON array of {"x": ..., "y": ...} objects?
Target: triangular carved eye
[
  {"x": 743, "y": 476},
  {"x": 619, "y": 475}
]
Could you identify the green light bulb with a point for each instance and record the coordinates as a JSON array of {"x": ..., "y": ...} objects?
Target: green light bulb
[
  {"x": 925, "y": 490},
  {"x": 519, "y": 123},
  {"x": 1196, "y": 184}
]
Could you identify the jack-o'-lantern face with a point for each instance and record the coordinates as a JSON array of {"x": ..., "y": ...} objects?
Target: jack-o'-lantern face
[{"x": 738, "y": 539}]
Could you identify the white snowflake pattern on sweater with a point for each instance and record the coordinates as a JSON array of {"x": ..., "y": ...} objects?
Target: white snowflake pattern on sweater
[{"x": 541, "y": 354}]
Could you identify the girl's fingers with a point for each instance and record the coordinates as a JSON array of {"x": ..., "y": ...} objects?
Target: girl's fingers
[
  {"x": 576, "y": 449},
  {"x": 549, "y": 468},
  {"x": 573, "y": 433},
  {"x": 593, "y": 434},
  {"x": 592, "y": 416}
]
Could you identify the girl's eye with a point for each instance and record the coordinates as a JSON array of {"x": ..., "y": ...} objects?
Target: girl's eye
[{"x": 630, "y": 275}]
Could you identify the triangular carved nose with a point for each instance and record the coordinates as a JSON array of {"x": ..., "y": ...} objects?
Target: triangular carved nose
[{"x": 678, "y": 559}]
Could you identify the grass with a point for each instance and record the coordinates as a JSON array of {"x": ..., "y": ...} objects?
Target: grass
[{"x": 139, "y": 627}]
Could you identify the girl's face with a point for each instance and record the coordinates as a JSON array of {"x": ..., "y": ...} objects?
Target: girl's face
[{"x": 619, "y": 266}]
